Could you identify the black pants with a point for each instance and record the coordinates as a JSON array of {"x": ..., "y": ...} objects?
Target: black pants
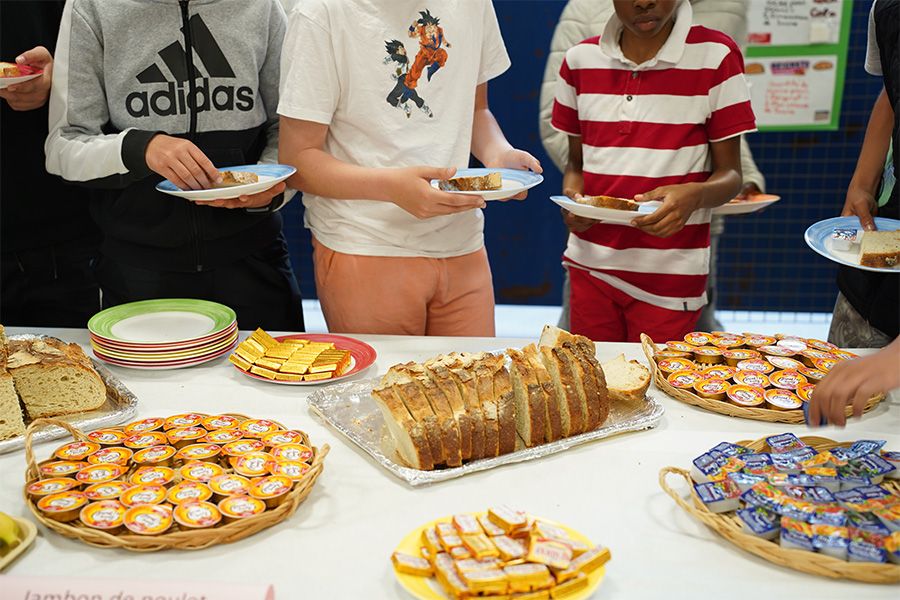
[
  {"x": 53, "y": 286},
  {"x": 261, "y": 288}
]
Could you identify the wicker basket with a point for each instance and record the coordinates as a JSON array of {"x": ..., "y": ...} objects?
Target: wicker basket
[
  {"x": 729, "y": 526},
  {"x": 182, "y": 540},
  {"x": 725, "y": 408}
]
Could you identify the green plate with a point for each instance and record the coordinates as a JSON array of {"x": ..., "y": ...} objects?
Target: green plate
[{"x": 164, "y": 321}]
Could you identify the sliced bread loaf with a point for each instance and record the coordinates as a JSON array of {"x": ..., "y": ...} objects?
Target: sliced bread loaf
[
  {"x": 409, "y": 392},
  {"x": 466, "y": 384},
  {"x": 11, "y": 423},
  {"x": 54, "y": 378}
]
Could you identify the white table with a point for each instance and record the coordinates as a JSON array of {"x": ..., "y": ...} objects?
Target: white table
[{"x": 338, "y": 543}]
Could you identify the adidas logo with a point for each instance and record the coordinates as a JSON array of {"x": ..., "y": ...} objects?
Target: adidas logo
[{"x": 173, "y": 100}]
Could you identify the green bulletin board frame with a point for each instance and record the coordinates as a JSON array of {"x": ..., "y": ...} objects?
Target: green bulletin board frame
[{"x": 839, "y": 49}]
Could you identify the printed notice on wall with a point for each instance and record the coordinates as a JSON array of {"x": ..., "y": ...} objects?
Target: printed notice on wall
[
  {"x": 788, "y": 91},
  {"x": 793, "y": 22}
]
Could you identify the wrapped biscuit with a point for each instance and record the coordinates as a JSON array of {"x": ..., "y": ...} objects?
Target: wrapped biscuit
[
  {"x": 411, "y": 565},
  {"x": 507, "y": 519},
  {"x": 480, "y": 546},
  {"x": 548, "y": 552}
]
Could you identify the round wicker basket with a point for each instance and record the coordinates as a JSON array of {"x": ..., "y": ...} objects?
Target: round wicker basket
[
  {"x": 729, "y": 526},
  {"x": 793, "y": 417},
  {"x": 183, "y": 539}
]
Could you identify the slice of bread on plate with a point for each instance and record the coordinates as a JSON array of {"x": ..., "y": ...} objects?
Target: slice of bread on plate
[
  {"x": 54, "y": 378},
  {"x": 491, "y": 181},
  {"x": 609, "y": 202},
  {"x": 9, "y": 70},
  {"x": 233, "y": 178},
  {"x": 880, "y": 249},
  {"x": 627, "y": 380}
]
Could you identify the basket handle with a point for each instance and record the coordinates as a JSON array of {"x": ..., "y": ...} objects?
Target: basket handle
[
  {"x": 663, "y": 474},
  {"x": 649, "y": 348},
  {"x": 29, "y": 434}
]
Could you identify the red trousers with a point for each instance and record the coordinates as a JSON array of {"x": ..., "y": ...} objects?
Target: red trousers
[
  {"x": 605, "y": 314},
  {"x": 424, "y": 58}
]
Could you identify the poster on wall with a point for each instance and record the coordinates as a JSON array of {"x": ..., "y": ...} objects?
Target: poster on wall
[
  {"x": 792, "y": 90},
  {"x": 795, "y": 61},
  {"x": 794, "y": 22}
]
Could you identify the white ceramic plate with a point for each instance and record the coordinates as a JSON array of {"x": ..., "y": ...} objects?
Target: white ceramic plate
[
  {"x": 5, "y": 82},
  {"x": 607, "y": 215},
  {"x": 818, "y": 237},
  {"x": 742, "y": 207},
  {"x": 269, "y": 175},
  {"x": 513, "y": 182}
]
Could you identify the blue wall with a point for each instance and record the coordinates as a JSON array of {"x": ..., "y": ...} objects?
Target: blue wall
[{"x": 764, "y": 263}]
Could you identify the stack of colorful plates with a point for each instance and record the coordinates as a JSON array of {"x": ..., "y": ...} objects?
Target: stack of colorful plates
[{"x": 163, "y": 334}]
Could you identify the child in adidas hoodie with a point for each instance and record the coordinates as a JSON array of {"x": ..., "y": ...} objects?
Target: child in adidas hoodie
[{"x": 150, "y": 89}]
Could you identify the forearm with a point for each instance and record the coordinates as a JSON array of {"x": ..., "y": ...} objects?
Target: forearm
[
  {"x": 723, "y": 185},
  {"x": 488, "y": 141},
  {"x": 870, "y": 165},
  {"x": 573, "y": 179},
  {"x": 321, "y": 174}
]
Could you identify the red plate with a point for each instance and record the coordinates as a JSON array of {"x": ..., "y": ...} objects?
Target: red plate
[{"x": 362, "y": 356}]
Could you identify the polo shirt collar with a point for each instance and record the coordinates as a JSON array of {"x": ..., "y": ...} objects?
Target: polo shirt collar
[{"x": 671, "y": 52}]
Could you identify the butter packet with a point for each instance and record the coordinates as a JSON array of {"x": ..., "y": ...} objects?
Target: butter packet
[
  {"x": 719, "y": 496},
  {"x": 872, "y": 466},
  {"x": 729, "y": 449},
  {"x": 828, "y": 514},
  {"x": 894, "y": 459},
  {"x": 892, "y": 547},
  {"x": 796, "y": 535},
  {"x": 765, "y": 495},
  {"x": 745, "y": 481},
  {"x": 785, "y": 442},
  {"x": 889, "y": 517},
  {"x": 812, "y": 494},
  {"x": 758, "y": 464},
  {"x": 831, "y": 540},
  {"x": 863, "y": 551},
  {"x": 760, "y": 522}
]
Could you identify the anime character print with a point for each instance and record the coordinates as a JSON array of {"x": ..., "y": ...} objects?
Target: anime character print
[{"x": 430, "y": 57}]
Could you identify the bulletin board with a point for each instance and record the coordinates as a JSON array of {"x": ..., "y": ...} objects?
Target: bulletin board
[{"x": 796, "y": 59}]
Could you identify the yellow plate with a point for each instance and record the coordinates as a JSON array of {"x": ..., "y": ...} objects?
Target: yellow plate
[
  {"x": 427, "y": 588},
  {"x": 27, "y": 532}
]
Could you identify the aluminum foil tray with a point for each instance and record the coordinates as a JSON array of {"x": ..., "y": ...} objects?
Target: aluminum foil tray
[
  {"x": 120, "y": 406},
  {"x": 349, "y": 408}
]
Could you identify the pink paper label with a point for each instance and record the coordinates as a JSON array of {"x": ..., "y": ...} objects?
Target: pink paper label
[{"x": 39, "y": 588}]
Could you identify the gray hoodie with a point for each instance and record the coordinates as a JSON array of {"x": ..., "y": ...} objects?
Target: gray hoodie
[{"x": 122, "y": 74}]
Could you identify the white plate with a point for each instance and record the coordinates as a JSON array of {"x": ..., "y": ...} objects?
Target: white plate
[
  {"x": 269, "y": 175},
  {"x": 607, "y": 215},
  {"x": 818, "y": 237},
  {"x": 5, "y": 82},
  {"x": 513, "y": 182},
  {"x": 742, "y": 207}
]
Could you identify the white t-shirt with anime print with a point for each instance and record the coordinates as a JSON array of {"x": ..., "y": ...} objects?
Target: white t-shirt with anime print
[{"x": 395, "y": 82}]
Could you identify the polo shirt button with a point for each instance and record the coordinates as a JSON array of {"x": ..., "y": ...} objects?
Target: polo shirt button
[
  {"x": 634, "y": 74},
  {"x": 628, "y": 97}
]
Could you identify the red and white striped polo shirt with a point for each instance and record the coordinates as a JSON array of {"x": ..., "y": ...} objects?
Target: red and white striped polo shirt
[{"x": 644, "y": 126}]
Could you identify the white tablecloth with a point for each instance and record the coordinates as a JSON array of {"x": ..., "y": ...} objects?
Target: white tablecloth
[{"x": 338, "y": 543}]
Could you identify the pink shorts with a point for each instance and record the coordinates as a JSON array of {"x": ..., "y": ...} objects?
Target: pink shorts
[{"x": 405, "y": 295}]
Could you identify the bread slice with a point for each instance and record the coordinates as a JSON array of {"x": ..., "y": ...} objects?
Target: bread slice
[
  {"x": 440, "y": 405},
  {"x": 553, "y": 420},
  {"x": 552, "y": 336},
  {"x": 609, "y": 202},
  {"x": 466, "y": 384},
  {"x": 441, "y": 376},
  {"x": 484, "y": 383},
  {"x": 569, "y": 402},
  {"x": 569, "y": 363},
  {"x": 11, "y": 423},
  {"x": 54, "y": 378},
  {"x": 880, "y": 249},
  {"x": 594, "y": 383},
  {"x": 233, "y": 178},
  {"x": 506, "y": 411},
  {"x": 627, "y": 381},
  {"x": 409, "y": 392},
  {"x": 9, "y": 70},
  {"x": 491, "y": 181},
  {"x": 408, "y": 434},
  {"x": 531, "y": 409}
]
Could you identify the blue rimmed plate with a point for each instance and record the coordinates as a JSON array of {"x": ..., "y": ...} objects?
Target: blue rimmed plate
[
  {"x": 818, "y": 237},
  {"x": 514, "y": 182},
  {"x": 269, "y": 175}
]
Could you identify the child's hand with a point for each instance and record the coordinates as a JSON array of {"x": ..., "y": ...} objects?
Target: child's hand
[
  {"x": 573, "y": 222},
  {"x": 860, "y": 203},
  {"x": 258, "y": 200},
  {"x": 516, "y": 159},
  {"x": 678, "y": 203},
  {"x": 853, "y": 382},
  {"x": 411, "y": 189},
  {"x": 33, "y": 93},
  {"x": 181, "y": 162}
]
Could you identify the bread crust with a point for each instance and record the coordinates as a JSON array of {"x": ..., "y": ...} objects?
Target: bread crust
[
  {"x": 417, "y": 453},
  {"x": 553, "y": 419},
  {"x": 609, "y": 202},
  {"x": 531, "y": 410}
]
